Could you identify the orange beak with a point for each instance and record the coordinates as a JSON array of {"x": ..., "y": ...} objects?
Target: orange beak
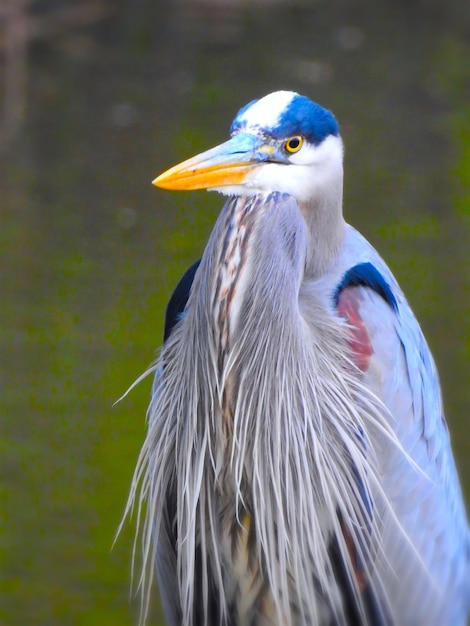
[{"x": 227, "y": 164}]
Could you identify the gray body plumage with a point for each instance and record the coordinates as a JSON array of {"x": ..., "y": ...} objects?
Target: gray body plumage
[
  {"x": 297, "y": 468},
  {"x": 254, "y": 432}
]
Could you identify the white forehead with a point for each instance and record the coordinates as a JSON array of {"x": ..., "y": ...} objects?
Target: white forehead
[{"x": 267, "y": 110}]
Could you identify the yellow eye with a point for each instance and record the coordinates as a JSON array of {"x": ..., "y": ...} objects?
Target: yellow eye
[{"x": 294, "y": 144}]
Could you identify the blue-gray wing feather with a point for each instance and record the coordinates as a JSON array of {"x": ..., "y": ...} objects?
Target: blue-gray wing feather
[{"x": 431, "y": 556}]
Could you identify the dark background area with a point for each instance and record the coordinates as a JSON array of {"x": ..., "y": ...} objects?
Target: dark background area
[{"x": 97, "y": 98}]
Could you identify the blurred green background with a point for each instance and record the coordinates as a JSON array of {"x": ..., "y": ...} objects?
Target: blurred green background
[{"x": 97, "y": 98}]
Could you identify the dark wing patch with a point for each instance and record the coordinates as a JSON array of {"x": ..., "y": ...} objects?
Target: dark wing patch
[
  {"x": 366, "y": 275},
  {"x": 178, "y": 300},
  {"x": 371, "y": 612}
]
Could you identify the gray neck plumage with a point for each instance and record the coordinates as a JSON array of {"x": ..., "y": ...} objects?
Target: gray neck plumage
[
  {"x": 259, "y": 252},
  {"x": 256, "y": 255},
  {"x": 325, "y": 225}
]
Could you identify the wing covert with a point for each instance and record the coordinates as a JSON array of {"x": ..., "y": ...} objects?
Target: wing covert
[
  {"x": 420, "y": 480},
  {"x": 179, "y": 299}
]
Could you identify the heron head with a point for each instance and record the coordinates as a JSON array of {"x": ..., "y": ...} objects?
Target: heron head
[{"x": 283, "y": 142}]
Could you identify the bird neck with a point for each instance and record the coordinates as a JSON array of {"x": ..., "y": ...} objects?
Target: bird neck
[
  {"x": 326, "y": 228},
  {"x": 256, "y": 256},
  {"x": 262, "y": 248}
]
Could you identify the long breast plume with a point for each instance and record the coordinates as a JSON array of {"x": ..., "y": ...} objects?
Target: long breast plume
[
  {"x": 237, "y": 229},
  {"x": 260, "y": 435}
]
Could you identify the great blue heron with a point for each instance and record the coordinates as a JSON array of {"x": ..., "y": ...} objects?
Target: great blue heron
[{"x": 297, "y": 467}]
